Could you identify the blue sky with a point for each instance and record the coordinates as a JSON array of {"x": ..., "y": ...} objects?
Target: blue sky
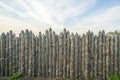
[{"x": 74, "y": 15}]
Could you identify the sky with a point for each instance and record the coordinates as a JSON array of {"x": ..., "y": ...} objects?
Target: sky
[{"x": 74, "y": 15}]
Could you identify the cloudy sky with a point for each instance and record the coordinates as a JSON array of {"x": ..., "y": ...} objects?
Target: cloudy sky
[{"x": 74, "y": 15}]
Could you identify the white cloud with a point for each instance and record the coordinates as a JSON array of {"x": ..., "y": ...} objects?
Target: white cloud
[
  {"x": 107, "y": 19},
  {"x": 7, "y": 24}
]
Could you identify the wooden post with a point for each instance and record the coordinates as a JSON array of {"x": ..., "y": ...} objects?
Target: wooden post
[
  {"x": 30, "y": 54},
  {"x": 68, "y": 55},
  {"x": 107, "y": 52},
  {"x": 65, "y": 53},
  {"x": 61, "y": 54},
  {"x": 100, "y": 55},
  {"x": 80, "y": 57},
  {"x": 3, "y": 53},
  {"x": 13, "y": 51},
  {"x": 7, "y": 55},
  {"x": 112, "y": 55},
  {"x": 95, "y": 58},
  {"x": 57, "y": 54},
  {"x": 40, "y": 55},
  {"x": 50, "y": 52},
  {"x": 10, "y": 53},
  {"x": 72, "y": 57},
  {"x": 76, "y": 66},
  {"x": 116, "y": 54},
  {"x": 119, "y": 52},
  {"x": 26, "y": 51},
  {"x": 43, "y": 56},
  {"x": 17, "y": 54},
  {"x": 104, "y": 56}
]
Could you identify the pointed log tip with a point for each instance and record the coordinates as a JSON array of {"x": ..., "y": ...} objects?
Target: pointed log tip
[{"x": 50, "y": 29}]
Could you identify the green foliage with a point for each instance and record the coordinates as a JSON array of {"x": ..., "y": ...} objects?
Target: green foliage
[
  {"x": 114, "y": 77},
  {"x": 15, "y": 76}
]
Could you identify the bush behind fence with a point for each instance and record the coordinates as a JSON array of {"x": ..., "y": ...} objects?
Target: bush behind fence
[{"x": 66, "y": 55}]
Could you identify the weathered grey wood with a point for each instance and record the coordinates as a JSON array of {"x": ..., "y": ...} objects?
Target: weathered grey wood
[
  {"x": 119, "y": 53},
  {"x": 50, "y": 52},
  {"x": 76, "y": 66},
  {"x": 83, "y": 56},
  {"x": 54, "y": 54},
  {"x": 86, "y": 56},
  {"x": 57, "y": 60},
  {"x": 40, "y": 55},
  {"x": 30, "y": 54},
  {"x": 100, "y": 55},
  {"x": 7, "y": 55},
  {"x": 43, "y": 56},
  {"x": 68, "y": 54},
  {"x": 107, "y": 52},
  {"x": 33, "y": 55},
  {"x": 26, "y": 51},
  {"x": 10, "y": 52},
  {"x": 90, "y": 55},
  {"x": 65, "y": 53},
  {"x": 19, "y": 66},
  {"x": 36, "y": 56},
  {"x": 112, "y": 55},
  {"x": 61, "y": 54},
  {"x": 72, "y": 57},
  {"x": 95, "y": 58},
  {"x": 17, "y": 54},
  {"x": 116, "y": 54},
  {"x": 47, "y": 53},
  {"x": 80, "y": 57},
  {"x": 103, "y": 56},
  {"x": 22, "y": 53},
  {"x": 13, "y": 51},
  {"x": 3, "y": 53}
]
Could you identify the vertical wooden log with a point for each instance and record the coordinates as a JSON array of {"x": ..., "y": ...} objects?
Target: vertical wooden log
[
  {"x": 100, "y": 56},
  {"x": 72, "y": 57},
  {"x": 50, "y": 52},
  {"x": 13, "y": 49},
  {"x": 116, "y": 54},
  {"x": 17, "y": 54},
  {"x": 47, "y": 53},
  {"x": 68, "y": 55},
  {"x": 26, "y": 51},
  {"x": 104, "y": 56},
  {"x": 54, "y": 54},
  {"x": 43, "y": 56},
  {"x": 57, "y": 52},
  {"x": 107, "y": 51},
  {"x": 112, "y": 55},
  {"x": 61, "y": 54},
  {"x": 95, "y": 58},
  {"x": 86, "y": 56},
  {"x": 80, "y": 56},
  {"x": 76, "y": 56},
  {"x": 19, "y": 66},
  {"x": 30, "y": 54},
  {"x": 3, "y": 53},
  {"x": 7, "y": 55},
  {"x": 10, "y": 52},
  {"x": 22, "y": 53},
  {"x": 90, "y": 54},
  {"x": 83, "y": 55},
  {"x": 33, "y": 55},
  {"x": 65, "y": 54},
  {"x": 119, "y": 52},
  {"x": 40, "y": 55},
  {"x": 36, "y": 56}
]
